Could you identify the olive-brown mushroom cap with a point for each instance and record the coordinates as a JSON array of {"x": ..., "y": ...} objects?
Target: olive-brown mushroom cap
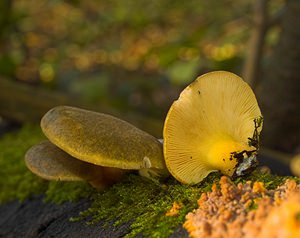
[
  {"x": 102, "y": 139},
  {"x": 51, "y": 163},
  {"x": 213, "y": 118}
]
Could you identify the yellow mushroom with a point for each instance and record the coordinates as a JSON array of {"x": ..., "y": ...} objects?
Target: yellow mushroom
[
  {"x": 51, "y": 163},
  {"x": 213, "y": 126}
]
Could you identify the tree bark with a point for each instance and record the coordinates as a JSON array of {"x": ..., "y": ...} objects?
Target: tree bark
[
  {"x": 279, "y": 94},
  {"x": 255, "y": 49},
  {"x": 5, "y": 15},
  {"x": 34, "y": 218}
]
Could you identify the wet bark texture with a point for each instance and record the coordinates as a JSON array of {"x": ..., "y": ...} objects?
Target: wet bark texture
[
  {"x": 36, "y": 219},
  {"x": 280, "y": 91}
]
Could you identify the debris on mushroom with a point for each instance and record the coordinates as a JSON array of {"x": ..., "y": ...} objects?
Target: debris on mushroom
[
  {"x": 51, "y": 163},
  {"x": 213, "y": 126},
  {"x": 103, "y": 140},
  {"x": 246, "y": 210}
]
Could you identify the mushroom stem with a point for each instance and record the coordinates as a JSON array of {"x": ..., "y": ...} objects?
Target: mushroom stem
[{"x": 106, "y": 178}]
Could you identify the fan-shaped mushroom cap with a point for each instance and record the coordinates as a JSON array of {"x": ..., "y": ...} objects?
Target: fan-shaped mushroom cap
[
  {"x": 102, "y": 139},
  {"x": 51, "y": 163},
  {"x": 214, "y": 125}
]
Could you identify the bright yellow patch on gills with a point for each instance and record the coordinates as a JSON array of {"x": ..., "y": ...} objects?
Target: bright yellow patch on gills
[{"x": 219, "y": 154}]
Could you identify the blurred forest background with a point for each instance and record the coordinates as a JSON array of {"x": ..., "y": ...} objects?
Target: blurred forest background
[{"x": 132, "y": 58}]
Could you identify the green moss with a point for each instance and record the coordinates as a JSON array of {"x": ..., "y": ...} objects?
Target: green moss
[
  {"x": 17, "y": 182},
  {"x": 59, "y": 192},
  {"x": 136, "y": 200},
  {"x": 270, "y": 181},
  {"x": 144, "y": 203}
]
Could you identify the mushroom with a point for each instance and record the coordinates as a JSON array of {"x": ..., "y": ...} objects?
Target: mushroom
[
  {"x": 86, "y": 144},
  {"x": 49, "y": 162},
  {"x": 213, "y": 126}
]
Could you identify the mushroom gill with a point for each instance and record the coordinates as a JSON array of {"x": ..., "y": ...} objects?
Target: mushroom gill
[
  {"x": 213, "y": 126},
  {"x": 51, "y": 163}
]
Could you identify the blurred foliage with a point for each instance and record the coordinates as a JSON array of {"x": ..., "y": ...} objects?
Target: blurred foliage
[{"x": 134, "y": 55}]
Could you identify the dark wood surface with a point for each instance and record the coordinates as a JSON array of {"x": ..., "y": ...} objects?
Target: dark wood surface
[{"x": 34, "y": 218}]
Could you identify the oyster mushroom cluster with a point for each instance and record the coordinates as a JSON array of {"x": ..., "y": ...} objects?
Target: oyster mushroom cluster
[
  {"x": 213, "y": 126},
  {"x": 91, "y": 146}
]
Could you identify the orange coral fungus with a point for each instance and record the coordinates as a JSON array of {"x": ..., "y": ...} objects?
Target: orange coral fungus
[
  {"x": 248, "y": 211},
  {"x": 174, "y": 211}
]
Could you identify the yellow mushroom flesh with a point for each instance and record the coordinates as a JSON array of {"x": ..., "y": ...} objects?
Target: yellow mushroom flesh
[{"x": 214, "y": 125}]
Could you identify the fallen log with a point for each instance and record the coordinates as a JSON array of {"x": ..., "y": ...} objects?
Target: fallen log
[
  {"x": 34, "y": 218},
  {"x": 24, "y": 103}
]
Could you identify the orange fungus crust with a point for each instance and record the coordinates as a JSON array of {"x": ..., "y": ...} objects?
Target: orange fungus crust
[{"x": 246, "y": 210}]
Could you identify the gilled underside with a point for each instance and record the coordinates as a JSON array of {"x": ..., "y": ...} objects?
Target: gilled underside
[{"x": 213, "y": 118}]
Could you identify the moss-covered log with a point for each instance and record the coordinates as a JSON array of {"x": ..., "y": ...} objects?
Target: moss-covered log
[
  {"x": 132, "y": 207},
  {"x": 34, "y": 218}
]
